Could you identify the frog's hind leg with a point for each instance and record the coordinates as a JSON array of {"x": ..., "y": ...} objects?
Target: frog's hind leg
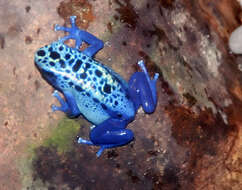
[
  {"x": 69, "y": 106},
  {"x": 111, "y": 133},
  {"x": 142, "y": 89},
  {"x": 80, "y": 36}
]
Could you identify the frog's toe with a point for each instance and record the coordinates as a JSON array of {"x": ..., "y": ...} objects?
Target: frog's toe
[
  {"x": 64, "y": 108},
  {"x": 102, "y": 148},
  {"x": 92, "y": 127},
  {"x": 73, "y": 20},
  {"x": 83, "y": 141},
  {"x": 58, "y": 27},
  {"x": 61, "y": 28},
  {"x": 55, "y": 94},
  {"x": 141, "y": 64},
  {"x": 58, "y": 97},
  {"x": 100, "y": 151},
  {"x": 55, "y": 108},
  {"x": 156, "y": 77},
  {"x": 153, "y": 84}
]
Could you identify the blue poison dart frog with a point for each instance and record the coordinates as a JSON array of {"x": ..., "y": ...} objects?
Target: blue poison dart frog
[{"x": 94, "y": 90}]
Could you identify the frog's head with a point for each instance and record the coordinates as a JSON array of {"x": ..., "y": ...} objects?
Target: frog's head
[{"x": 49, "y": 62}]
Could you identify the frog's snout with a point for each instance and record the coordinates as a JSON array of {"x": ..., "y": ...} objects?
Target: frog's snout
[{"x": 39, "y": 58}]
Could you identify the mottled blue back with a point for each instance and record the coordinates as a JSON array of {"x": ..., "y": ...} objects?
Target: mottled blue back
[{"x": 99, "y": 91}]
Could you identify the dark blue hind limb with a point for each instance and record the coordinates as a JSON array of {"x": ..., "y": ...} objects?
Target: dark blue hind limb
[
  {"x": 142, "y": 89},
  {"x": 109, "y": 134}
]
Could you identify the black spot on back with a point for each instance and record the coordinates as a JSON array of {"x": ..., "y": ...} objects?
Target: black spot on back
[
  {"x": 83, "y": 75},
  {"x": 104, "y": 107},
  {"x": 61, "y": 48},
  {"x": 65, "y": 78},
  {"x": 70, "y": 83},
  {"x": 116, "y": 103},
  {"x": 77, "y": 65},
  {"x": 96, "y": 100},
  {"x": 107, "y": 88},
  {"x": 71, "y": 61},
  {"x": 98, "y": 73},
  {"x": 67, "y": 56},
  {"x": 41, "y": 53},
  {"x": 78, "y": 88},
  {"x": 52, "y": 63},
  {"x": 62, "y": 63},
  {"x": 54, "y": 55}
]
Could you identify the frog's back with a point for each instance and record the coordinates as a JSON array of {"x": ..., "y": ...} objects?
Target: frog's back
[{"x": 96, "y": 88}]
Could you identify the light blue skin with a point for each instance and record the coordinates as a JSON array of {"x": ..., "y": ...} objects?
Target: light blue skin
[{"x": 93, "y": 90}]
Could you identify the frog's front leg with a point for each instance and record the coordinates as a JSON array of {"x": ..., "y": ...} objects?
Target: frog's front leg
[
  {"x": 68, "y": 105},
  {"x": 79, "y": 36},
  {"x": 111, "y": 133},
  {"x": 142, "y": 89}
]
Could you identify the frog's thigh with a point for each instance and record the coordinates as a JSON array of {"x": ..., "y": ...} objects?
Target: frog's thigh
[
  {"x": 140, "y": 92},
  {"x": 111, "y": 132}
]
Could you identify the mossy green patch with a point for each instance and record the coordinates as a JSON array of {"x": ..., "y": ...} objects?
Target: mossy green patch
[
  {"x": 63, "y": 135},
  {"x": 60, "y": 136}
]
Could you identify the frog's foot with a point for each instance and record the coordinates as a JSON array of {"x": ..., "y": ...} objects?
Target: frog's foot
[
  {"x": 142, "y": 89},
  {"x": 69, "y": 107},
  {"x": 73, "y": 32},
  {"x": 111, "y": 133},
  {"x": 64, "y": 106},
  {"x": 79, "y": 36}
]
